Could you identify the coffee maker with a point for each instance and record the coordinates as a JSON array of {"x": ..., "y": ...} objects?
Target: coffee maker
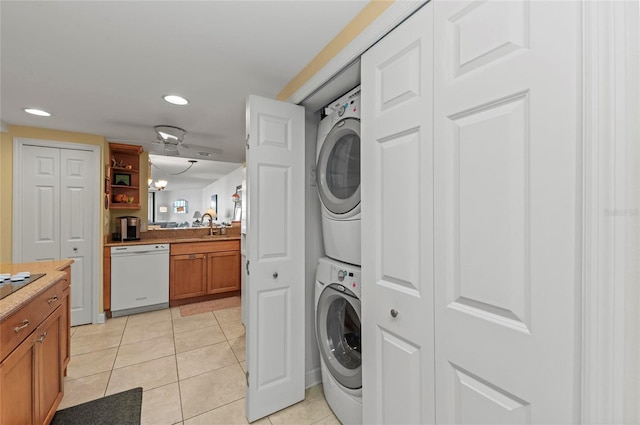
[{"x": 127, "y": 228}]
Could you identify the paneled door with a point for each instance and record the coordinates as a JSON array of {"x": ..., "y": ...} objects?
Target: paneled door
[
  {"x": 55, "y": 207},
  {"x": 507, "y": 211},
  {"x": 471, "y": 176},
  {"x": 275, "y": 256},
  {"x": 397, "y": 213}
]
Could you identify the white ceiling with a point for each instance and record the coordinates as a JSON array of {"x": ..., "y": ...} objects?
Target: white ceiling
[{"x": 102, "y": 67}]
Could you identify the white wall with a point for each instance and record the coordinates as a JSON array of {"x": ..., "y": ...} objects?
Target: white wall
[
  {"x": 165, "y": 198},
  {"x": 314, "y": 249},
  {"x": 224, "y": 187}
]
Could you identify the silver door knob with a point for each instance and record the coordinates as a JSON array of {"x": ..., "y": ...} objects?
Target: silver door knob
[
  {"x": 394, "y": 312},
  {"x": 275, "y": 275}
]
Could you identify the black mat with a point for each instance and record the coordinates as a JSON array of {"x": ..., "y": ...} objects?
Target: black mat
[{"x": 118, "y": 409}]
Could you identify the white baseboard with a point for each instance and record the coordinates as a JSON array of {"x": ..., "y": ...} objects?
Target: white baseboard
[{"x": 312, "y": 377}]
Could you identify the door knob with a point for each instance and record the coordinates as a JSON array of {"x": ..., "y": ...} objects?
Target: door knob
[
  {"x": 275, "y": 275},
  {"x": 394, "y": 313}
]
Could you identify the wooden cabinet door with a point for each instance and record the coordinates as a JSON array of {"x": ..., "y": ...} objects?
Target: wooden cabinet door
[
  {"x": 17, "y": 377},
  {"x": 188, "y": 276},
  {"x": 49, "y": 351},
  {"x": 223, "y": 272}
]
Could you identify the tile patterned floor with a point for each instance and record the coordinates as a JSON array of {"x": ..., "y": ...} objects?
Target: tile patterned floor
[{"x": 191, "y": 369}]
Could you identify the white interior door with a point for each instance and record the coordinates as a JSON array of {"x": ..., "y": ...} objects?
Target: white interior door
[
  {"x": 54, "y": 216},
  {"x": 507, "y": 210},
  {"x": 276, "y": 255},
  {"x": 397, "y": 213},
  {"x": 76, "y": 222},
  {"x": 39, "y": 203}
]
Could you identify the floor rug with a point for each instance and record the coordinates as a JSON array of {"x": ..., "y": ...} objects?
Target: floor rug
[
  {"x": 213, "y": 305},
  {"x": 118, "y": 409}
]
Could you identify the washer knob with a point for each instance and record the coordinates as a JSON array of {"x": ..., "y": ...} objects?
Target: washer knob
[
  {"x": 342, "y": 110},
  {"x": 341, "y": 274}
]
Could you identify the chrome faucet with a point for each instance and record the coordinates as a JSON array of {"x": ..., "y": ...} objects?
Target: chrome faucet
[{"x": 210, "y": 222}]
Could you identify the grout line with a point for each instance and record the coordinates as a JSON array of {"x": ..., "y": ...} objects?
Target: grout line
[{"x": 124, "y": 328}]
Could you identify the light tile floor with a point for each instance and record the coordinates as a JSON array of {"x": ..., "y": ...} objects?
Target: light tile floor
[{"x": 190, "y": 368}]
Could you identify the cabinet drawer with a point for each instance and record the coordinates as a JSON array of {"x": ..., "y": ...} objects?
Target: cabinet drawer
[
  {"x": 24, "y": 321},
  {"x": 204, "y": 247}
]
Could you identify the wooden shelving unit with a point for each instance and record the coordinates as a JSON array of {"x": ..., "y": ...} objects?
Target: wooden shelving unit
[{"x": 124, "y": 176}]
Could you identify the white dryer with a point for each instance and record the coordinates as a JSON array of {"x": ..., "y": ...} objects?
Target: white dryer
[
  {"x": 338, "y": 172},
  {"x": 337, "y": 307}
]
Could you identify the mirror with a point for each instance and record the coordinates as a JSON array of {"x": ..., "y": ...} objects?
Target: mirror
[{"x": 181, "y": 206}]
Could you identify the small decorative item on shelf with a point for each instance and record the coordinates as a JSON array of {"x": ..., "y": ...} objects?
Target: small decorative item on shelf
[
  {"x": 130, "y": 200},
  {"x": 120, "y": 198},
  {"x": 128, "y": 166},
  {"x": 122, "y": 179}
]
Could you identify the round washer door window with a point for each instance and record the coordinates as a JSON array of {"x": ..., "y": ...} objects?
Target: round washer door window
[
  {"x": 338, "y": 331},
  {"x": 339, "y": 167}
]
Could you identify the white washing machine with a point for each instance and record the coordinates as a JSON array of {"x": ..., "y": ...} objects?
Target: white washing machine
[
  {"x": 338, "y": 172},
  {"x": 337, "y": 306}
]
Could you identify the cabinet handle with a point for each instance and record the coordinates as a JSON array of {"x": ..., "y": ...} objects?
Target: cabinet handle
[
  {"x": 192, "y": 256},
  {"x": 42, "y": 337},
  {"x": 24, "y": 324},
  {"x": 394, "y": 313},
  {"x": 52, "y": 299},
  {"x": 275, "y": 275}
]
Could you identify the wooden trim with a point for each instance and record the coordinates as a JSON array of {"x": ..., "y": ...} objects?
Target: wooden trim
[
  {"x": 106, "y": 279},
  {"x": 176, "y": 303}
]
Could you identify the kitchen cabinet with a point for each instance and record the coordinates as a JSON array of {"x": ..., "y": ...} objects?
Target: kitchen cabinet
[
  {"x": 204, "y": 270},
  {"x": 123, "y": 178},
  {"x": 35, "y": 350}
]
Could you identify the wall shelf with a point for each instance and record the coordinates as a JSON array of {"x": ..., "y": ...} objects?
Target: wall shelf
[{"x": 125, "y": 166}]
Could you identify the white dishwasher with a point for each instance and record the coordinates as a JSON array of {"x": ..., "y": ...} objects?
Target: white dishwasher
[{"x": 139, "y": 278}]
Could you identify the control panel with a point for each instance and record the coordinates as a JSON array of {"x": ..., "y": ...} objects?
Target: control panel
[{"x": 347, "y": 278}]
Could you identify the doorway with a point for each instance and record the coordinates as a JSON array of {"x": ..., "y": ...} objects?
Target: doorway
[{"x": 56, "y": 198}]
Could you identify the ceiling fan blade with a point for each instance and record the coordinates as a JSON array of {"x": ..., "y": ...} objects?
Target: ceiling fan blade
[{"x": 215, "y": 151}]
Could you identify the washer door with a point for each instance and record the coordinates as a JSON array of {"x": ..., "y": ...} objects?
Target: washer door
[
  {"x": 339, "y": 167},
  {"x": 338, "y": 332}
]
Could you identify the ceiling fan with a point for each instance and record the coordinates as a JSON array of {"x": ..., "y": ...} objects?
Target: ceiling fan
[{"x": 171, "y": 139}]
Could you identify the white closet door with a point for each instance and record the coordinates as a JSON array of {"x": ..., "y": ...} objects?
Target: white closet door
[
  {"x": 507, "y": 212},
  {"x": 56, "y": 203},
  {"x": 76, "y": 225},
  {"x": 39, "y": 200},
  {"x": 397, "y": 222},
  {"x": 275, "y": 250}
]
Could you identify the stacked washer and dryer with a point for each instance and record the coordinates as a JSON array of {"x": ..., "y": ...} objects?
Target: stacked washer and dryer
[{"x": 337, "y": 291}]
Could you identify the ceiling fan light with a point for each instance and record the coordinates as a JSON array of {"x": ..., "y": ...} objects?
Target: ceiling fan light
[
  {"x": 167, "y": 136},
  {"x": 175, "y": 99},
  {"x": 161, "y": 184},
  {"x": 170, "y": 134}
]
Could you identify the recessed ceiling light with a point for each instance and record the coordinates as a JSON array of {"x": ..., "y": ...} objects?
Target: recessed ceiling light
[
  {"x": 38, "y": 112},
  {"x": 175, "y": 99}
]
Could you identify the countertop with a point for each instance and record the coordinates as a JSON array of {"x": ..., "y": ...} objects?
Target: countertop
[
  {"x": 53, "y": 274},
  {"x": 213, "y": 238}
]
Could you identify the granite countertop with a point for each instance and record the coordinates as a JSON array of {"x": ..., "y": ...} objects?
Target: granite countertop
[
  {"x": 53, "y": 274},
  {"x": 213, "y": 238}
]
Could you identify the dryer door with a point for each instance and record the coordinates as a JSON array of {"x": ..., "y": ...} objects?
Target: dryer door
[
  {"x": 339, "y": 167},
  {"x": 338, "y": 332}
]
